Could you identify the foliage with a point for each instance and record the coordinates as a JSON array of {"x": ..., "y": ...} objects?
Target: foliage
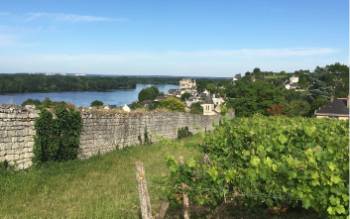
[
  {"x": 135, "y": 105},
  {"x": 196, "y": 108},
  {"x": 185, "y": 96},
  {"x": 96, "y": 103},
  {"x": 57, "y": 134},
  {"x": 172, "y": 103},
  {"x": 183, "y": 132},
  {"x": 214, "y": 85},
  {"x": 275, "y": 109},
  {"x": 146, "y": 138},
  {"x": 276, "y": 161},
  {"x": 4, "y": 166},
  {"x": 149, "y": 93},
  {"x": 31, "y": 102},
  {"x": 336, "y": 76},
  {"x": 263, "y": 92},
  {"x": 10, "y": 83},
  {"x": 298, "y": 108},
  {"x": 224, "y": 109},
  {"x": 248, "y": 98},
  {"x": 18, "y": 83}
]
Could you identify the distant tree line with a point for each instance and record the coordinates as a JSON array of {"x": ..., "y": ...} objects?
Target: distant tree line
[
  {"x": 20, "y": 83},
  {"x": 23, "y": 82}
]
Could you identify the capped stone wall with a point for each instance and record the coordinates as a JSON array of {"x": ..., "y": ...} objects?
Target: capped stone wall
[
  {"x": 102, "y": 131},
  {"x": 105, "y": 131},
  {"x": 17, "y": 135}
]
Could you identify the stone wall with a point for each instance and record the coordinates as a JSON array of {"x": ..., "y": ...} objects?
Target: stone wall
[
  {"x": 105, "y": 131},
  {"x": 17, "y": 135}
]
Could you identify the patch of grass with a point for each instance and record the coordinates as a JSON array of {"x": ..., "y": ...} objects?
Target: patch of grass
[{"x": 101, "y": 187}]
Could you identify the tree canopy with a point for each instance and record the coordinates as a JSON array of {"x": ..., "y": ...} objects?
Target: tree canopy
[
  {"x": 149, "y": 93},
  {"x": 173, "y": 104},
  {"x": 96, "y": 103},
  {"x": 264, "y": 92}
]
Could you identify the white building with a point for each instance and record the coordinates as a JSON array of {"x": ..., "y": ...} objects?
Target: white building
[
  {"x": 126, "y": 108},
  {"x": 236, "y": 77},
  {"x": 212, "y": 105},
  {"x": 292, "y": 83},
  {"x": 294, "y": 79},
  {"x": 208, "y": 109},
  {"x": 187, "y": 84},
  {"x": 218, "y": 100},
  {"x": 206, "y": 92}
]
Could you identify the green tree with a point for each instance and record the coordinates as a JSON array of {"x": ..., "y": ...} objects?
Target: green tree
[
  {"x": 173, "y": 104},
  {"x": 96, "y": 103},
  {"x": 149, "y": 93},
  {"x": 196, "y": 108},
  {"x": 248, "y": 98},
  {"x": 336, "y": 76},
  {"x": 185, "y": 96},
  {"x": 298, "y": 108},
  {"x": 31, "y": 102}
]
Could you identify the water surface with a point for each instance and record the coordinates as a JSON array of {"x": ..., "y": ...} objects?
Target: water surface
[{"x": 84, "y": 98}]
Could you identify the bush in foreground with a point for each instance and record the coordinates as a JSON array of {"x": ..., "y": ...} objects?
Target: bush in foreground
[
  {"x": 183, "y": 132},
  {"x": 277, "y": 162},
  {"x": 57, "y": 134}
]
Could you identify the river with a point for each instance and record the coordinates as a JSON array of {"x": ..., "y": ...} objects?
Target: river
[{"x": 84, "y": 98}]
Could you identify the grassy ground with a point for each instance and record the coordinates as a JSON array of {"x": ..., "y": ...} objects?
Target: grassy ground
[{"x": 100, "y": 187}]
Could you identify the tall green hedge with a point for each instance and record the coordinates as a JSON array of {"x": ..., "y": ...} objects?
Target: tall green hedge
[
  {"x": 57, "y": 134},
  {"x": 272, "y": 161}
]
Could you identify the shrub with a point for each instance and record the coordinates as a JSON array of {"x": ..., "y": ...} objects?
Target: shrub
[
  {"x": 196, "y": 108},
  {"x": 96, "y": 103},
  {"x": 185, "y": 96},
  {"x": 298, "y": 108},
  {"x": 173, "y": 104},
  {"x": 183, "y": 132},
  {"x": 46, "y": 143},
  {"x": 31, "y": 102},
  {"x": 149, "y": 93},
  {"x": 275, "y": 109},
  {"x": 57, "y": 137},
  {"x": 135, "y": 105},
  {"x": 275, "y": 161}
]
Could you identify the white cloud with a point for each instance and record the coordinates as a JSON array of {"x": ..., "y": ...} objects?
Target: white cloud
[{"x": 70, "y": 17}]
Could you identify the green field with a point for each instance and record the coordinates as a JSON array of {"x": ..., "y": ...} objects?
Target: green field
[{"x": 100, "y": 187}]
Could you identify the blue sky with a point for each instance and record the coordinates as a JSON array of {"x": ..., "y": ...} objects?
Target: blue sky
[{"x": 179, "y": 37}]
